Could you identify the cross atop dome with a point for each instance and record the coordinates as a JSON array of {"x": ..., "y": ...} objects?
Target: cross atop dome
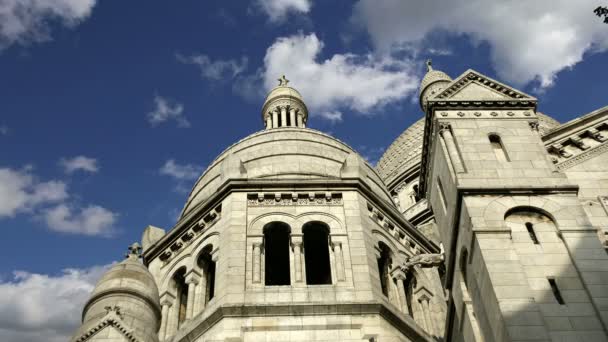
[{"x": 284, "y": 107}]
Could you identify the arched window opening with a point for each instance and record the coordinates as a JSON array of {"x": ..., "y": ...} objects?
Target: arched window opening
[
  {"x": 498, "y": 147},
  {"x": 532, "y": 233},
  {"x": 384, "y": 266},
  {"x": 416, "y": 193},
  {"x": 276, "y": 254},
  {"x": 409, "y": 286},
  {"x": 181, "y": 294},
  {"x": 207, "y": 266},
  {"x": 464, "y": 259},
  {"x": 316, "y": 253}
]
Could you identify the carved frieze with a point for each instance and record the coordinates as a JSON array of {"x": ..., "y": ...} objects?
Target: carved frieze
[
  {"x": 294, "y": 198},
  {"x": 588, "y": 154}
]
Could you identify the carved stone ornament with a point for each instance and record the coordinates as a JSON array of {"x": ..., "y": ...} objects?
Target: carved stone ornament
[
  {"x": 113, "y": 318},
  {"x": 425, "y": 260}
]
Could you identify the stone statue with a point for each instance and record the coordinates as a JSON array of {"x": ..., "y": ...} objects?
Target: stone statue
[{"x": 424, "y": 260}]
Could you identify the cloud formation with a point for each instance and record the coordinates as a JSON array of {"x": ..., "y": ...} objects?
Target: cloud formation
[
  {"x": 343, "y": 81},
  {"x": 215, "y": 70},
  {"x": 180, "y": 171},
  {"x": 40, "y": 307},
  {"x": 90, "y": 220},
  {"x": 529, "y": 40},
  {"x": 166, "y": 110},
  {"x": 29, "y": 21},
  {"x": 22, "y": 192},
  {"x": 79, "y": 163},
  {"x": 278, "y": 10},
  {"x": 4, "y": 130}
]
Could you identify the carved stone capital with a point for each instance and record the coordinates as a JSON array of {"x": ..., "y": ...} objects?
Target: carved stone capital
[
  {"x": 167, "y": 298},
  {"x": 192, "y": 277}
]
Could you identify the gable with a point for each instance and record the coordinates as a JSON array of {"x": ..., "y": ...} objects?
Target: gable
[{"x": 473, "y": 86}]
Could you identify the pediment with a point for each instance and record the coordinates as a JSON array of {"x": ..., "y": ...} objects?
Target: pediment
[{"x": 473, "y": 86}]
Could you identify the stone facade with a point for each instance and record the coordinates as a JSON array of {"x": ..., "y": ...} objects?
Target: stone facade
[{"x": 484, "y": 221}]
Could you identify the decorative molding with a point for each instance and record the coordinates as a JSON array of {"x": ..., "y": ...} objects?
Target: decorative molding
[
  {"x": 585, "y": 155},
  {"x": 113, "y": 318},
  {"x": 207, "y": 220},
  {"x": 290, "y": 199},
  {"x": 473, "y": 76},
  {"x": 393, "y": 230},
  {"x": 486, "y": 114}
]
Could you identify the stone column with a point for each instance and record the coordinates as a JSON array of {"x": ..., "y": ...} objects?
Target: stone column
[
  {"x": 300, "y": 120},
  {"x": 448, "y": 138},
  {"x": 167, "y": 300},
  {"x": 400, "y": 277},
  {"x": 199, "y": 299},
  {"x": 337, "y": 248},
  {"x": 268, "y": 121},
  {"x": 296, "y": 243},
  {"x": 256, "y": 267},
  {"x": 192, "y": 279},
  {"x": 275, "y": 118},
  {"x": 424, "y": 302},
  {"x": 283, "y": 116},
  {"x": 292, "y": 117}
]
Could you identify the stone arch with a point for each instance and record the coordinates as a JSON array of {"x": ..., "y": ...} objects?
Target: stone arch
[
  {"x": 211, "y": 238},
  {"x": 381, "y": 236},
  {"x": 183, "y": 261},
  {"x": 257, "y": 225},
  {"x": 332, "y": 222},
  {"x": 496, "y": 211}
]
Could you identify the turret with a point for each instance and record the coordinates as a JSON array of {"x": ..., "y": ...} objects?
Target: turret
[
  {"x": 284, "y": 107},
  {"x": 124, "y": 305},
  {"x": 432, "y": 84}
]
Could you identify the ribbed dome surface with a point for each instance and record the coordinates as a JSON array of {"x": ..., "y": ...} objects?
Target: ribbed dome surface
[
  {"x": 284, "y": 153},
  {"x": 432, "y": 77},
  {"x": 130, "y": 276},
  {"x": 406, "y": 150}
]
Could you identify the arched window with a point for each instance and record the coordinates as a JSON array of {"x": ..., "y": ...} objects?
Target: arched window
[
  {"x": 409, "y": 286},
  {"x": 316, "y": 253},
  {"x": 207, "y": 266},
  {"x": 384, "y": 265},
  {"x": 181, "y": 294},
  {"x": 276, "y": 254},
  {"x": 416, "y": 193},
  {"x": 464, "y": 260},
  {"x": 498, "y": 147}
]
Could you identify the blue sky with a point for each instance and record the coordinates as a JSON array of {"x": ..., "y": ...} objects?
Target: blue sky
[{"x": 111, "y": 109}]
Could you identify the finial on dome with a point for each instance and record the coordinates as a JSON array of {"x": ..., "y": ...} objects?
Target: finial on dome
[
  {"x": 429, "y": 65},
  {"x": 134, "y": 251},
  {"x": 283, "y": 81}
]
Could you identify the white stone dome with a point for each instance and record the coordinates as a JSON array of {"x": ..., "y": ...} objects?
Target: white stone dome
[{"x": 289, "y": 153}]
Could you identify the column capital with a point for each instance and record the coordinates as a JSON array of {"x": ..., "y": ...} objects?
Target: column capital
[
  {"x": 192, "y": 277},
  {"x": 444, "y": 126},
  {"x": 167, "y": 298}
]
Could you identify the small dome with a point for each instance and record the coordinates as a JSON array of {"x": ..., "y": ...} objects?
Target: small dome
[
  {"x": 284, "y": 107},
  {"x": 432, "y": 83},
  {"x": 433, "y": 76},
  {"x": 126, "y": 297}
]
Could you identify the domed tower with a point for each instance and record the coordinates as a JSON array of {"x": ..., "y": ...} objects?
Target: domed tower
[
  {"x": 290, "y": 234},
  {"x": 433, "y": 82},
  {"x": 124, "y": 305}
]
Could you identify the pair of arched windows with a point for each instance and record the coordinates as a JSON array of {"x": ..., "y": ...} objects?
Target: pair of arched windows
[
  {"x": 204, "y": 287},
  {"x": 277, "y": 250}
]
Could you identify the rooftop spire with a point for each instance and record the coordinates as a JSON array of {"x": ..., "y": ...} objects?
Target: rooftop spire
[
  {"x": 134, "y": 251},
  {"x": 284, "y": 107},
  {"x": 432, "y": 83},
  {"x": 429, "y": 65}
]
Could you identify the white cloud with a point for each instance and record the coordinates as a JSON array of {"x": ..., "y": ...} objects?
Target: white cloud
[
  {"x": 333, "y": 116},
  {"x": 277, "y": 10},
  {"x": 3, "y": 130},
  {"x": 165, "y": 110},
  {"x": 180, "y": 171},
  {"x": 20, "y": 191},
  {"x": 41, "y": 307},
  {"x": 79, "y": 163},
  {"x": 90, "y": 220},
  {"x": 26, "y": 21},
  {"x": 215, "y": 70},
  {"x": 355, "y": 82},
  {"x": 529, "y": 40}
]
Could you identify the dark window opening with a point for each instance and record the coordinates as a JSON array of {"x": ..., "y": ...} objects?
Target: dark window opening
[
  {"x": 276, "y": 254},
  {"x": 409, "y": 286},
  {"x": 207, "y": 265},
  {"x": 416, "y": 193},
  {"x": 384, "y": 264},
  {"x": 316, "y": 253},
  {"x": 556, "y": 292},
  {"x": 182, "y": 294},
  {"x": 464, "y": 256},
  {"x": 532, "y": 233},
  {"x": 498, "y": 147}
]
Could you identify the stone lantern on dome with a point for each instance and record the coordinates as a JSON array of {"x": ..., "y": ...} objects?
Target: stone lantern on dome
[{"x": 284, "y": 107}]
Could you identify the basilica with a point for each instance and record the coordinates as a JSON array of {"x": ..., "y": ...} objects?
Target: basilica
[{"x": 485, "y": 220}]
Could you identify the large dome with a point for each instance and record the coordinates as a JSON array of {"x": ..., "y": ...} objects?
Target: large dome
[
  {"x": 281, "y": 154},
  {"x": 406, "y": 150}
]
